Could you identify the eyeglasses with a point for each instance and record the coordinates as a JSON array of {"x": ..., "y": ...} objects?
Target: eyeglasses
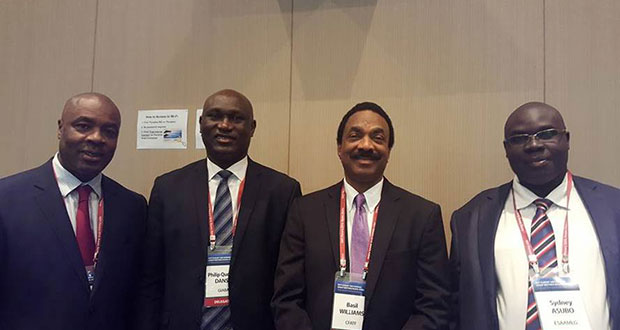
[{"x": 546, "y": 135}]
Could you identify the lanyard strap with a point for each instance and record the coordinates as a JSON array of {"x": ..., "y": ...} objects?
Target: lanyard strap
[
  {"x": 235, "y": 218},
  {"x": 343, "y": 259},
  {"x": 99, "y": 231},
  {"x": 531, "y": 256}
]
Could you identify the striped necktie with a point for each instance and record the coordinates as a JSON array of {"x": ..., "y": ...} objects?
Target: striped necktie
[
  {"x": 218, "y": 318},
  {"x": 543, "y": 243}
]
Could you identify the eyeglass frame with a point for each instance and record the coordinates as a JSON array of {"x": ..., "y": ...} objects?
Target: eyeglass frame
[{"x": 535, "y": 136}]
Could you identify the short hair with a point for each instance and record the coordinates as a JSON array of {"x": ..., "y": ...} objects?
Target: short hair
[{"x": 361, "y": 107}]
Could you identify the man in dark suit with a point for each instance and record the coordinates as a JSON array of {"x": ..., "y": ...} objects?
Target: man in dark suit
[
  {"x": 406, "y": 286},
  {"x": 185, "y": 203},
  {"x": 488, "y": 256},
  {"x": 69, "y": 236}
]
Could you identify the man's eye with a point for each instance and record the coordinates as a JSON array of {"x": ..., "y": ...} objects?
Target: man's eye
[{"x": 81, "y": 126}]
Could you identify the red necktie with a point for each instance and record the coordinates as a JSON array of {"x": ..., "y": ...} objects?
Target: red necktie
[{"x": 83, "y": 231}]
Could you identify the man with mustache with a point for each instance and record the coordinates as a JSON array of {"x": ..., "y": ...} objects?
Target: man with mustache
[
  {"x": 214, "y": 230},
  {"x": 363, "y": 253},
  {"x": 70, "y": 236},
  {"x": 546, "y": 209}
]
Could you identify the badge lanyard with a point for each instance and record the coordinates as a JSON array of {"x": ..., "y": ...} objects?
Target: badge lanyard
[
  {"x": 343, "y": 259},
  {"x": 99, "y": 224},
  {"x": 531, "y": 256},
  {"x": 235, "y": 218}
]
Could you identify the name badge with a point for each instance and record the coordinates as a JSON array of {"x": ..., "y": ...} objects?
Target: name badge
[
  {"x": 90, "y": 276},
  {"x": 559, "y": 304},
  {"x": 216, "y": 277},
  {"x": 348, "y": 308}
]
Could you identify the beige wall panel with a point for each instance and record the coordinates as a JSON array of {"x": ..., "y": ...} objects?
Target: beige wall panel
[
  {"x": 583, "y": 82},
  {"x": 46, "y": 52},
  {"x": 448, "y": 73},
  {"x": 173, "y": 54}
]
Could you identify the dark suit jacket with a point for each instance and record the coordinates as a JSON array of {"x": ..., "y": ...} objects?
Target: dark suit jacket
[
  {"x": 473, "y": 262},
  {"x": 407, "y": 284},
  {"x": 172, "y": 291},
  {"x": 42, "y": 279}
]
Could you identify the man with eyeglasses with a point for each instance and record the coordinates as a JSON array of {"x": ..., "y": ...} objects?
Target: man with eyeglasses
[{"x": 511, "y": 263}]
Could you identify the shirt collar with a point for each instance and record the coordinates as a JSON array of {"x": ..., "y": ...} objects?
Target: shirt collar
[
  {"x": 238, "y": 169},
  {"x": 525, "y": 197},
  {"x": 67, "y": 182},
  {"x": 372, "y": 195}
]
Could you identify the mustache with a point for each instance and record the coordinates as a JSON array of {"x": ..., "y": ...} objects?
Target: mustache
[{"x": 362, "y": 154}]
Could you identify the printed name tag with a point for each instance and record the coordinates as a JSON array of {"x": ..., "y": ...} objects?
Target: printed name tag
[
  {"x": 216, "y": 277},
  {"x": 348, "y": 308},
  {"x": 90, "y": 275},
  {"x": 559, "y": 304}
]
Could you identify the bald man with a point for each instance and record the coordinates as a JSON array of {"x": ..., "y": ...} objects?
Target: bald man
[
  {"x": 69, "y": 235},
  {"x": 214, "y": 229},
  {"x": 546, "y": 208}
]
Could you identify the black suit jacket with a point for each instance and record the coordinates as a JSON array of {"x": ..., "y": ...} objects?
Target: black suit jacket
[
  {"x": 172, "y": 290},
  {"x": 472, "y": 256},
  {"x": 407, "y": 284},
  {"x": 42, "y": 279}
]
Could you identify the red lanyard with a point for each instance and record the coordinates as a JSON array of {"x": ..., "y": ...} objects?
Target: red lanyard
[
  {"x": 99, "y": 231},
  {"x": 531, "y": 256},
  {"x": 235, "y": 218},
  {"x": 343, "y": 259}
]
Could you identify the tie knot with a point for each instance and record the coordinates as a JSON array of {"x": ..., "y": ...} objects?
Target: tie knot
[
  {"x": 543, "y": 203},
  {"x": 83, "y": 193},
  {"x": 359, "y": 201},
  {"x": 224, "y": 174}
]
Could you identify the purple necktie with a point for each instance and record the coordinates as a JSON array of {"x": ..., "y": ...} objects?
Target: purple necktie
[{"x": 359, "y": 236}]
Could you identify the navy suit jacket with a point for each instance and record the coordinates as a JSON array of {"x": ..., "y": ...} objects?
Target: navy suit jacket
[
  {"x": 407, "y": 285},
  {"x": 473, "y": 262},
  {"x": 172, "y": 287},
  {"x": 42, "y": 279}
]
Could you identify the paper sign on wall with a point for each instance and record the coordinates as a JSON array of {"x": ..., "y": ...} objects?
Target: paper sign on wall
[
  {"x": 162, "y": 129},
  {"x": 199, "y": 143}
]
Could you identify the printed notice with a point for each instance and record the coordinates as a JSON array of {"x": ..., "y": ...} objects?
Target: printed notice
[
  {"x": 162, "y": 129},
  {"x": 199, "y": 143}
]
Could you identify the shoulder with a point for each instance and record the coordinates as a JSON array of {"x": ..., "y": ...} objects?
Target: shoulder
[
  {"x": 268, "y": 174},
  {"x": 496, "y": 195},
  {"x": 186, "y": 171},
  {"x": 581, "y": 183},
  {"x": 409, "y": 198},
  {"x": 19, "y": 181},
  {"x": 110, "y": 185},
  {"x": 318, "y": 197}
]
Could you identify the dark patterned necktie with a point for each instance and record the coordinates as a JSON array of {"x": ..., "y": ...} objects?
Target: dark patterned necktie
[
  {"x": 542, "y": 239},
  {"x": 218, "y": 318}
]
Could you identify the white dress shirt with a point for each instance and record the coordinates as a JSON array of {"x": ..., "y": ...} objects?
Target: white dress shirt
[
  {"x": 373, "y": 197},
  {"x": 68, "y": 183},
  {"x": 238, "y": 170},
  {"x": 585, "y": 256}
]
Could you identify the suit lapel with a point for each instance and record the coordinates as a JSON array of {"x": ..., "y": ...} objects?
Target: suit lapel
[
  {"x": 332, "y": 218},
  {"x": 488, "y": 219},
  {"x": 389, "y": 209},
  {"x": 248, "y": 199},
  {"x": 52, "y": 205},
  {"x": 199, "y": 186}
]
